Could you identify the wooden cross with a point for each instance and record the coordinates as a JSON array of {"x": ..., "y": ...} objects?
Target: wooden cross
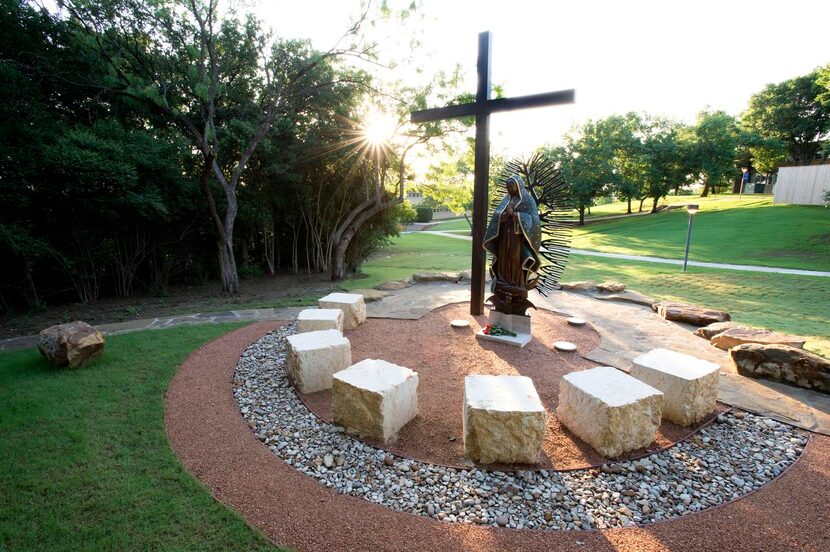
[{"x": 482, "y": 108}]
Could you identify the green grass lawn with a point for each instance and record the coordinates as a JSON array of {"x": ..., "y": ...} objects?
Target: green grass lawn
[
  {"x": 792, "y": 304},
  {"x": 726, "y": 230},
  {"x": 412, "y": 253},
  {"x": 84, "y": 460},
  {"x": 452, "y": 226}
]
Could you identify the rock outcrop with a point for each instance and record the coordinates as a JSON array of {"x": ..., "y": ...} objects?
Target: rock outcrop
[
  {"x": 784, "y": 364},
  {"x": 611, "y": 287},
  {"x": 738, "y": 336},
  {"x": 71, "y": 344},
  {"x": 429, "y": 277},
  {"x": 710, "y": 331},
  {"x": 581, "y": 286},
  {"x": 690, "y": 314}
]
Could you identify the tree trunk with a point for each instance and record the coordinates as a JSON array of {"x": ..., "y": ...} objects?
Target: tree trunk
[
  {"x": 705, "y": 192},
  {"x": 227, "y": 267},
  {"x": 629, "y": 206},
  {"x": 582, "y": 215},
  {"x": 338, "y": 265},
  {"x": 654, "y": 205},
  {"x": 642, "y": 200}
]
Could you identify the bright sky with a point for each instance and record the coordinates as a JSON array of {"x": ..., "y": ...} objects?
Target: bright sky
[{"x": 666, "y": 57}]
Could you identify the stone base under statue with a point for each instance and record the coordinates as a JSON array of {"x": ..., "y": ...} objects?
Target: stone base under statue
[{"x": 520, "y": 324}]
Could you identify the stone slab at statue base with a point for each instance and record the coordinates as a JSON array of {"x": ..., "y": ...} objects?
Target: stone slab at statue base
[{"x": 513, "y": 322}]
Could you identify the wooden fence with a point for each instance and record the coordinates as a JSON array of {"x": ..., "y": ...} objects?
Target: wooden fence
[{"x": 802, "y": 185}]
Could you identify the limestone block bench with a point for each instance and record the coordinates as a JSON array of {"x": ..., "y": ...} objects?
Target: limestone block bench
[
  {"x": 313, "y": 357},
  {"x": 504, "y": 420},
  {"x": 689, "y": 384},
  {"x": 374, "y": 398},
  {"x": 312, "y": 320},
  {"x": 352, "y": 305},
  {"x": 611, "y": 411}
]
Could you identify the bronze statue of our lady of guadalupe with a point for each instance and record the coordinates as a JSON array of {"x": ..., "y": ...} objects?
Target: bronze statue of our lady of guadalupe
[{"x": 513, "y": 238}]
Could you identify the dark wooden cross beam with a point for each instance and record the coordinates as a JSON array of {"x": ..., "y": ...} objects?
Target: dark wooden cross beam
[{"x": 482, "y": 108}]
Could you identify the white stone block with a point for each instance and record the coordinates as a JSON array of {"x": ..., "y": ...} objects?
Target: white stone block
[
  {"x": 313, "y": 357},
  {"x": 375, "y": 398},
  {"x": 312, "y": 320},
  {"x": 504, "y": 420},
  {"x": 611, "y": 411},
  {"x": 689, "y": 384},
  {"x": 352, "y": 305}
]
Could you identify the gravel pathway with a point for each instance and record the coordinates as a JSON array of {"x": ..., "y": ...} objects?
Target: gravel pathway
[{"x": 724, "y": 461}]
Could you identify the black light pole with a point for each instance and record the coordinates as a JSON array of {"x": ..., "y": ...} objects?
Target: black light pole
[{"x": 691, "y": 209}]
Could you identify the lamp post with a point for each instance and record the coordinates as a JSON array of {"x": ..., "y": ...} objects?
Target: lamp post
[{"x": 691, "y": 209}]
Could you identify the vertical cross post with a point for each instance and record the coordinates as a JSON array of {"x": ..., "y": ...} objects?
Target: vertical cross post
[{"x": 482, "y": 177}]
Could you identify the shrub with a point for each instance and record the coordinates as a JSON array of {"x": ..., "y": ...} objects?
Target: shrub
[{"x": 424, "y": 214}]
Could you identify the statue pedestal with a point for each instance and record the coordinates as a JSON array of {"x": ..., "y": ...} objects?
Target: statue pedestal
[{"x": 513, "y": 322}]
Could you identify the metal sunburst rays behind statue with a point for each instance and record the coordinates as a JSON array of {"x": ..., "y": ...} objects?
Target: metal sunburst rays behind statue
[{"x": 541, "y": 200}]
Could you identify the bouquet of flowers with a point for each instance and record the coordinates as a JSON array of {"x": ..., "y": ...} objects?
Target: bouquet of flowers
[{"x": 493, "y": 329}]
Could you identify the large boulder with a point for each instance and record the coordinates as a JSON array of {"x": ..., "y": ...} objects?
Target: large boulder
[
  {"x": 627, "y": 296},
  {"x": 690, "y": 314},
  {"x": 581, "y": 286},
  {"x": 710, "y": 331},
  {"x": 429, "y": 277},
  {"x": 611, "y": 287},
  {"x": 782, "y": 363},
  {"x": 393, "y": 285},
  {"x": 738, "y": 336},
  {"x": 71, "y": 344}
]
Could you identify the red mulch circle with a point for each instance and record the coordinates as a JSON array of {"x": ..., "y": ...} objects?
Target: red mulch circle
[
  {"x": 213, "y": 442},
  {"x": 442, "y": 356}
]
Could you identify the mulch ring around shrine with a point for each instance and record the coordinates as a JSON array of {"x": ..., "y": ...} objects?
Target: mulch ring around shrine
[{"x": 725, "y": 460}]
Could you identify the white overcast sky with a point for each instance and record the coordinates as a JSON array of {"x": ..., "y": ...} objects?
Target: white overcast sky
[{"x": 667, "y": 57}]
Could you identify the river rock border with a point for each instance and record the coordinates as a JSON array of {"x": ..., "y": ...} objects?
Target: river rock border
[{"x": 724, "y": 461}]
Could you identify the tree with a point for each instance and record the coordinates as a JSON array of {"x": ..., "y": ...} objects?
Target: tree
[
  {"x": 586, "y": 162},
  {"x": 712, "y": 152},
  {"x": 795, "y": 112},
  {"x": 215, "y": 77}
]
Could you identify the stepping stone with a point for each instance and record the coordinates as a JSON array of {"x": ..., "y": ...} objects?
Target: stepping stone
[
  {"x": 565, "y": 346},
  {"x": 352, "y": 305},
  {"x": 374, "y": 398},
  {"x": 611, "y": 411},
  {"x": 574, "y": 321},
  {"x": 504, "y": 420},
  {"x": 313, "y": 357},
  {"x": 690, "y": 314},
  {"x": 460, "y": 323},
  {"x": 312, "y": 320},
  {"x": 689, "y": 384}
]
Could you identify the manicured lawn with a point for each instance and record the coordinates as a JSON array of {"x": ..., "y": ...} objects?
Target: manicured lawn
[
  {"x": 792, "y": 304},
  {"x": 782, "y": 302},
  {"x": 84, "y": 460},
  {"x": 728, "y": 231},
  {"x": 712, "y": 202},
  {"x": 412, "y": 253},
  {"x": 452, "y": 226}
]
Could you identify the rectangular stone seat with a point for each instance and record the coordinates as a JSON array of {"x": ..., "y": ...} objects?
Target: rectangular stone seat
[
  {"x": 504, "y": 420},
  {"x": 611, "y": 411},
  {"x": 689, "y": 384},
  {"x": 352, "y": 305},
  {"x": 374, "y": 398},
  {"x": 312, "y": 320},
  {"x": 313, "y": 357}
]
